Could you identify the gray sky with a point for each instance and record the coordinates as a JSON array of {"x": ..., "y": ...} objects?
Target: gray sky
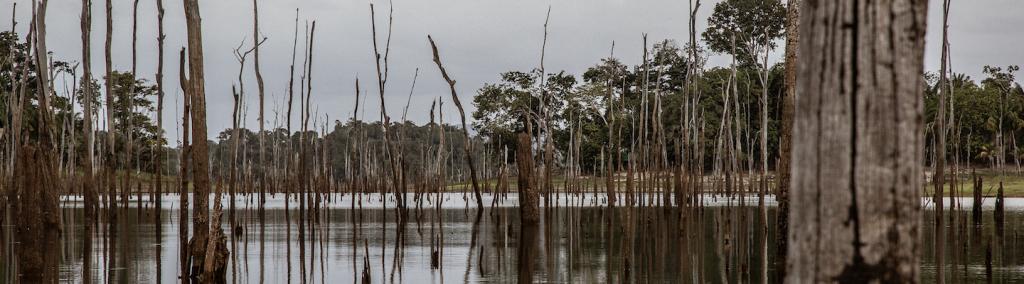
[{"x": 478, "y": 39}]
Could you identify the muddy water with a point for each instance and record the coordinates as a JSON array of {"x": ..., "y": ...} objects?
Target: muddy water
[{"x": 579, "y": 241}]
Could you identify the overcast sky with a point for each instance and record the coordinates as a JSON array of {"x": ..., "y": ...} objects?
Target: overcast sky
[{"x": 478, "y": 39}]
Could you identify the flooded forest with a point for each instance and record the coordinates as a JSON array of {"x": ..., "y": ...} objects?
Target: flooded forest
[{"x": 798, "y": 141}]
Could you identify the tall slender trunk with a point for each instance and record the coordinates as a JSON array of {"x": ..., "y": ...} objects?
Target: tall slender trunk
[
  {"x": 467, "y": 146},
  {"x": 88, "y": 190},
  {"x": 262, "y": 171},
  {"x": 158, "y": 154},
  {"x": 859, "y": 128},
  {"x": 394, "y": 156},
  {"x": 183, "y": 173},
  {"x": 109, "y": 162},
  {"x": 786, "y": 137},
  {"x": 939, "y": 178},
  {"x": 200, "y": 152},
  {"x": 129, "y": 109}
]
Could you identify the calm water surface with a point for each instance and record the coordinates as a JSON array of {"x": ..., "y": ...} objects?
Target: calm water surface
[{"x": 579, "y": 241}]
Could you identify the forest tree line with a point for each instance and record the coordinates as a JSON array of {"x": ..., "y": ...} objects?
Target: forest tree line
[{"x": 579, "y": 106}]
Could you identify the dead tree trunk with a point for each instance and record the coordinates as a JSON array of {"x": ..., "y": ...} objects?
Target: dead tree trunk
[
  {"x": 199, "y": 150},
  {"x": 262, "y": 171},
  {"x": 109, "y": 161},
  {"x": 183, "y": 173},
  {"x": 88, "y": 190},
  {"x": 999, "y": 214},
  {"x": 158, "y": 155},
  {"x": 976, "y": 204},
  {"x": 939, "y": 179},
  {"x": 786, "y": 136},
  {"x": 468, "y": 145},
  {"x": 529, "y": 213},
  {"x": 36, "y": 190},
  {"x": 858, "y": 127},
  {"x": 393, "y": 153}
]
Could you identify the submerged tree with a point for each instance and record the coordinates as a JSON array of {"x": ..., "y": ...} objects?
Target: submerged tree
[{"x": 786, "y": 135}]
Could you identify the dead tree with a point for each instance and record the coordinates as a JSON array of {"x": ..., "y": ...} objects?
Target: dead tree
[
  {"x": 109, "y": 161},
  {"x": 183, "y": 173},
  {"x": 260, "y": 88},
  {"x": 468, "y": 145},
  {"x": 529, "y": 213},
  {"x": 88, "y": 189},
  {"x": 200, "y": 152},
  {"x": 939, "y": 178},
  {"x": 786, "y": 135},
  {"x": 382, "y": 79},
  {"x": 158, "y": 154},
  {"x": 856, "y": 179},
  {"x": 36, "y": 191},
  {"x": 129, "y": 108}
]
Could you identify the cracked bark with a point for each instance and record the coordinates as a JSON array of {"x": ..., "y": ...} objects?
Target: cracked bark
[{"x": 858, "y": 127}]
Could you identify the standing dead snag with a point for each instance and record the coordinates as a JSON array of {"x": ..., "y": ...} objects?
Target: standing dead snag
[
  {"x": 127, "y": 121},
  {"x": 382, "y": 78},
  {"x": 200, "y": 152},
  {"x": 529, "y": 213},
  {"x": 35, "y": 202},
  {"x": 468, "y": 145},
  {"x": 109, "y": 161},
  {"x": 939, "y": 179},
  {"x": 158, "y": 154},
  {"x": 786, "y": 135},
  {"x": 260, "y": 88},
  {"x": 88, "y": 189},
  {"x": 183, "y": 173},
  {"x": 858, "y": 127}
]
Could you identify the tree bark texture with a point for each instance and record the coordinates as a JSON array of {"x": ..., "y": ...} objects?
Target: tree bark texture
[{"x": 857, "y": 173}]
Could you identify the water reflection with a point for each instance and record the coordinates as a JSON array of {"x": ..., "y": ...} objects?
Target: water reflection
[{"x": 578, "y": 240}]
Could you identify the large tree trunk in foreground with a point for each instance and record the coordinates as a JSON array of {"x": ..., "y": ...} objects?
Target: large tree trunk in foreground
[{"x": 856, "y": 180}]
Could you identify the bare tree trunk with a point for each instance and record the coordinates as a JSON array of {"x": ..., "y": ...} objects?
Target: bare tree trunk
[
  {"x": 35, "y": 204},
  {"x": 88, "y": 190},
  {"x": 468, "y": 145},
  {"x": 158, "y": 155},
  {"x": 262, "y": 171},
  {"x": 382, "y": 79},
  {"x": 939, "y": 178},
  {"x": 109, "y": 161},
  {"x": 200, "y": 152},
  {"x": 129, "y": 109},
  {"x": 858, "y": 125},
  {"x": 183, "y": 173},
  {"x": 786, "y": 136},
  {"x": 528, "y": 205}
]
